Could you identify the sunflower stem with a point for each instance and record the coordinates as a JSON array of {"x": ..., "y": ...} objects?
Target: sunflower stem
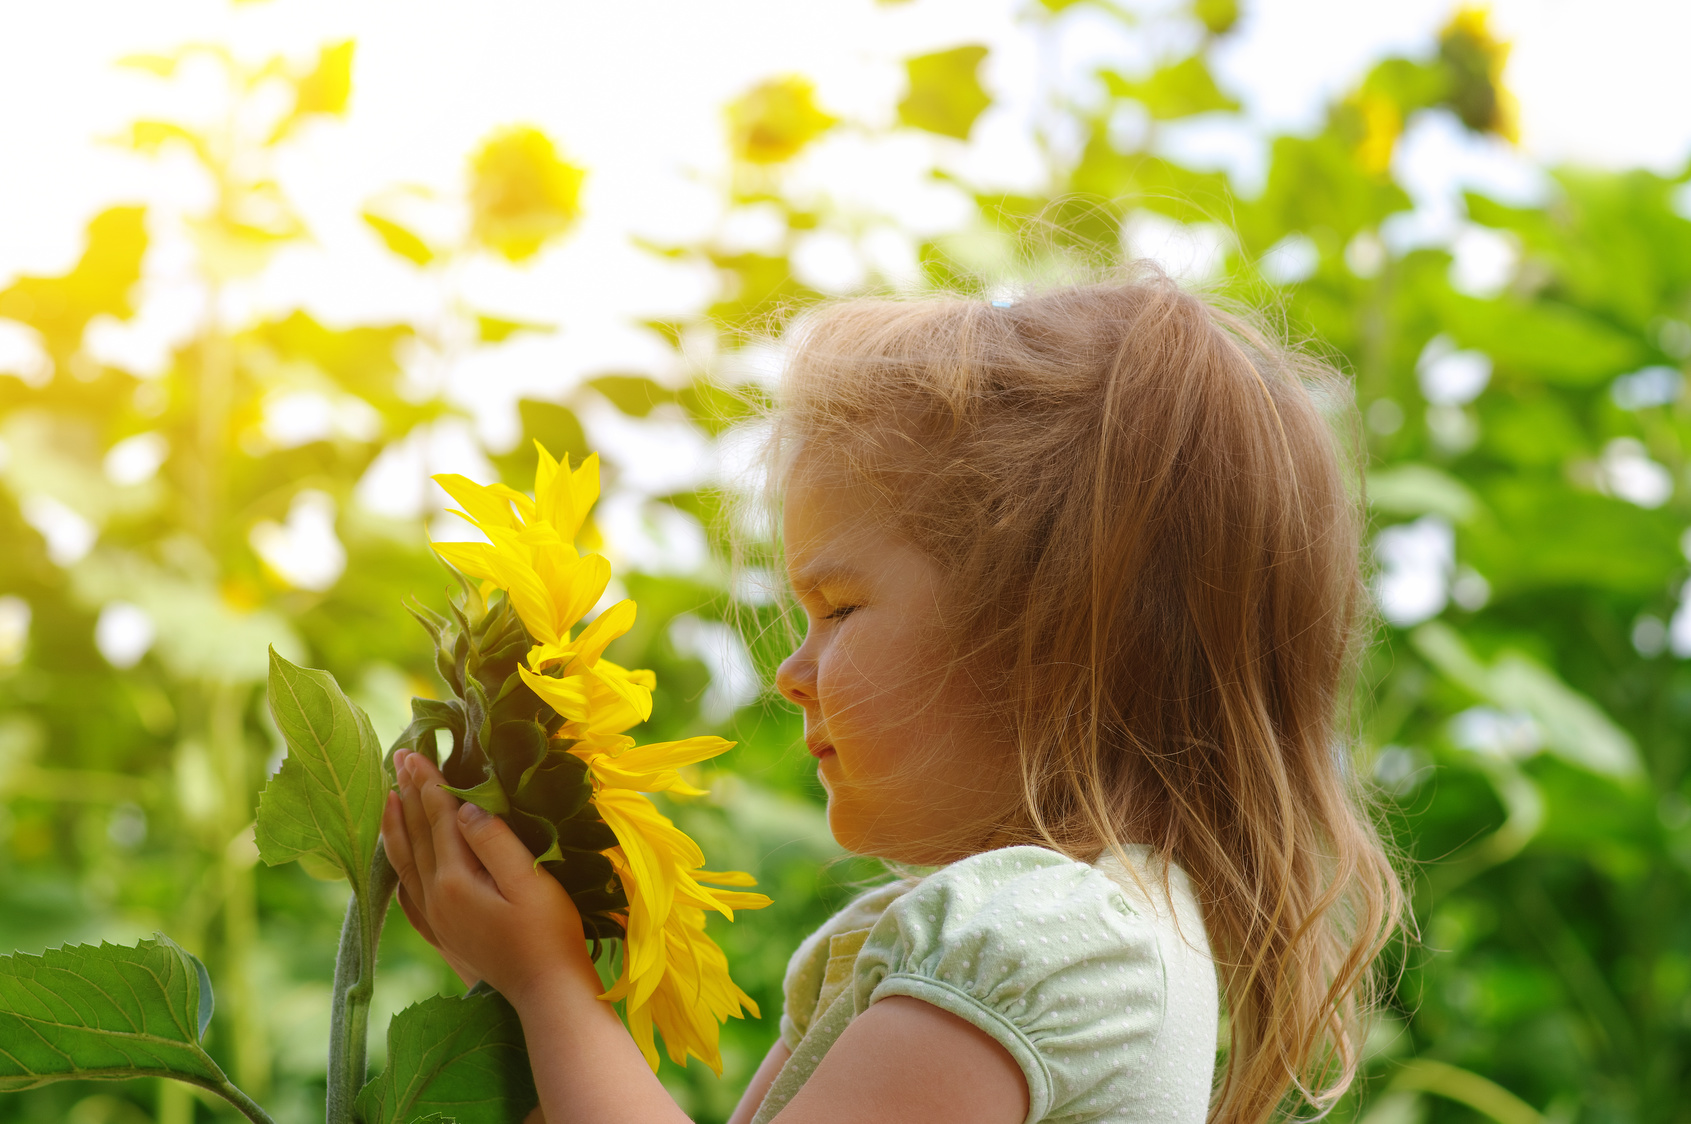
[{"x": 355, "y": 983}]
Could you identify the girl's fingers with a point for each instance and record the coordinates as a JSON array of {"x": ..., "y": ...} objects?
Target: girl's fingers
[
  {"x": 417, "y": 826},
  {"x": 415, "y": 916},
  {"x": 397, "y": 841},
  {"x": 441, "y": 808},
  {"x": 499, "y": 849}
]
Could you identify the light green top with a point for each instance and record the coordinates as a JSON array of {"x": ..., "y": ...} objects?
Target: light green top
[{"x": 1095, "y": 981}]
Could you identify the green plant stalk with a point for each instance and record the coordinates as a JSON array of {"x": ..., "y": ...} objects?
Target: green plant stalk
[
  {"x": 355, "y": 983},
  {"x": 247, "y": 1106}
]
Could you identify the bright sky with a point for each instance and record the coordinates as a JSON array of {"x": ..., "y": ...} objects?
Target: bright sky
[{"x": 633, "y": 90}]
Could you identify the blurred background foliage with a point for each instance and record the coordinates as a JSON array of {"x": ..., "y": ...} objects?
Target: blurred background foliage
[{"x": 1525, "y": 710}]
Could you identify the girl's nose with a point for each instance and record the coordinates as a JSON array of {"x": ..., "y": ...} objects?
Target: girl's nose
[{"x": 796, "y": 677}]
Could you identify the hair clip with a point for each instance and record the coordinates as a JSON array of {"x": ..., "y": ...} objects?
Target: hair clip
[{"x": 1003, "y": 302}]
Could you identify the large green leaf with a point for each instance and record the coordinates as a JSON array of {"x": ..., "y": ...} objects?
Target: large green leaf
[
  {"x": 1181, "y": 90},
  {"x": 1544, "y": 340},
  {"x": 945, "y": 92},
  {"x": 1417, "y": 489},
  {"x": 1573, "y": 727},
  {"x": 104, "y": 1013},
  {"x": 462, "y": 1058},
  {"x": 327, "y": 798},
  {"x": 635, "y": 395}
]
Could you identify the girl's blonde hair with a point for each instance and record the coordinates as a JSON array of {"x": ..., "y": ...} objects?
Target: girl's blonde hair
[{"x": 1140, "y": 501}]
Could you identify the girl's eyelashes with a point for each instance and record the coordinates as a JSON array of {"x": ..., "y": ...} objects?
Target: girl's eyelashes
[{"x": 841, "y": 613}]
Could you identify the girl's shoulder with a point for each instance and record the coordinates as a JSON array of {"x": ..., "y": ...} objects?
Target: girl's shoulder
[
  {"x": 1023, "y": 917},
  {"x": 1025, "y": 890},
  {"x": 838, "y": 937},
  {"x": 1095, "y": 977}
]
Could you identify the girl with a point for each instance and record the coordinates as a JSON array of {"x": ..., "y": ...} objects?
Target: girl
[{"x": 1081, "y": 582}]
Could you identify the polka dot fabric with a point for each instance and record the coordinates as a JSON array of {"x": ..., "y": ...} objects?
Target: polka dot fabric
[{"x": 1099, "y": 985}]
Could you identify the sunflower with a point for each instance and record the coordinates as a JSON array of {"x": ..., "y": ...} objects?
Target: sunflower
[{"x": 540, "y": 739}]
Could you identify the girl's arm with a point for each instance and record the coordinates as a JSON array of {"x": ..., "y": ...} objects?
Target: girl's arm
[
  {"x": 473, "y": 883},
  {"x": 760, "y": 1083}
]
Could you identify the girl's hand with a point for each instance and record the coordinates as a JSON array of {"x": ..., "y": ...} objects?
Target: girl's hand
[
  {"x": 420, "y": 923},
  {"x": 472, "y": 889}
]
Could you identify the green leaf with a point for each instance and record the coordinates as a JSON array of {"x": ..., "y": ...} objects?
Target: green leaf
[
  {"x": 945, "y": 92},
  {"x": 327, "y": 798},
  {"x": 516, "y": 748},
  {"x": 489, "y": 794},
  {"x": 1217, "y": 16},
  {"x": 586, "y": 833},
  {"x": 557, "y": 788},
  {"x": 400, "y": 240},
  {"x": 1545, "y": 340},
  {"x": 1420, "y": 489},
  {"x": 538, "y": 833},
  {"x": 1181, "y": 90},
  {"x": 101, "y": 282},
  {"x": 670, "y": 330},
  {"x": 1573, "y": 727},
  {"x": 492, "y": 329},
  {"x": 634, "y": 395},
  {"x": 462, "y": 1058},
  {"x": 427, "y": 716},
  {"x": 105, "y": 1013},
  {"x": 553, "y": 426}
]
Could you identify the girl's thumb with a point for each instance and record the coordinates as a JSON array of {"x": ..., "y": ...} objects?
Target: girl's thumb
[{"x": 497, "y": 846}]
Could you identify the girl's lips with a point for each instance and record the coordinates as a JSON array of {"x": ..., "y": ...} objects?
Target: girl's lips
[{"x": 821, "y": 751}]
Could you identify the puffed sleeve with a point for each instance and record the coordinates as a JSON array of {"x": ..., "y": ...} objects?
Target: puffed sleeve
[
  {"x": 809, "y": 969},
  {"x": 1044, "y": 954}
]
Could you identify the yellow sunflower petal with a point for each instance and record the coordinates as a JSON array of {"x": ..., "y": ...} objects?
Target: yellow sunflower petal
[
  {"x": 576, "y": 581},
  {"x": 652, "y": 768},
  {"x": 741, "y": 899},
  {"x": 640, "y": 1029},
  {"x": 545, "y": 475},
  {"x": 524, "y": 505},
  {"x": 584, "y": 491},
  {"x": 475, "y": 559},
  {"x": 563, "y": 695},
  {"x": 482, "y": 504},
  {"x": 606, "y": 627},
  {"x": 609, "y": 712},
  {"x": 689, "y": 892},
  {"x": 529, "y": 596},
  {"x": 635, "y": 695},
  {"x": 687, "y": 751},
  {"x": 725, "y": 877},
  {"x": 650, "y": 885}
]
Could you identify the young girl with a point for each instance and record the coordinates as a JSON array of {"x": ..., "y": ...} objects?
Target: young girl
[{"x": 1081, "y": 582}]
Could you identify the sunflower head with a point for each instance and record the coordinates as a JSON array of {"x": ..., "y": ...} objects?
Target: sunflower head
[
  {"x": 538, "y": 716},
  {"x": 505, "y": 754}
]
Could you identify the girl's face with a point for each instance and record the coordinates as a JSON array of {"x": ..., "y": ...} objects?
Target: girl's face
[{"x": 904, "y": 749}]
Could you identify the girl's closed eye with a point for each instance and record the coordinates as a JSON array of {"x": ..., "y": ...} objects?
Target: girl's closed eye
[{"x": 841, "y": 612}]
